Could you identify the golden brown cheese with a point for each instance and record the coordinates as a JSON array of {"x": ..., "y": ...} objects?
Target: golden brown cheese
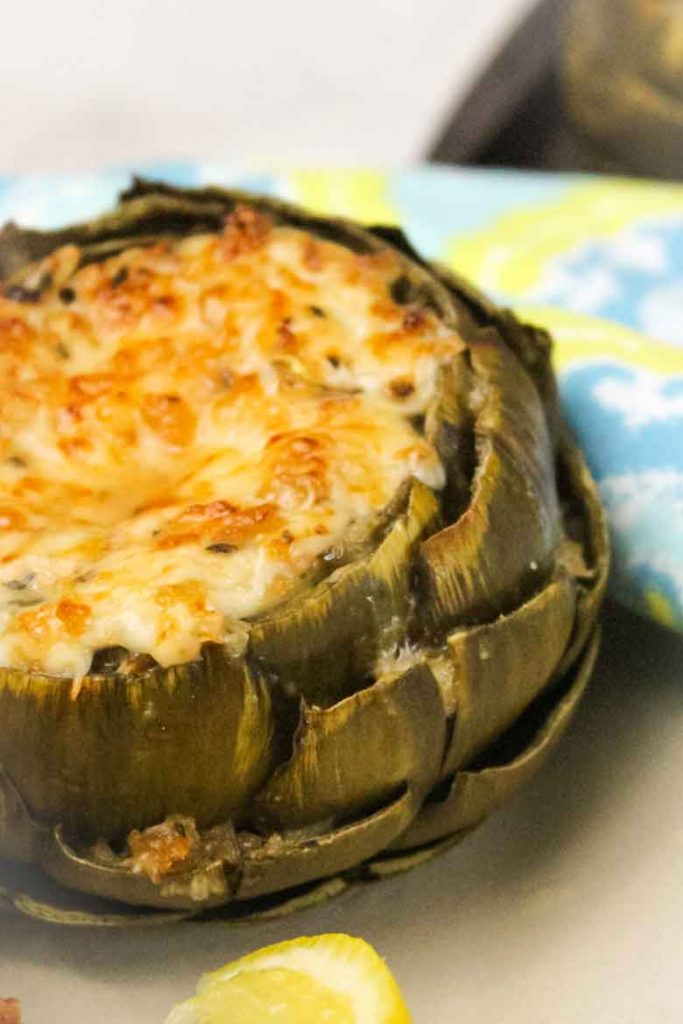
[{"x": 185, "y": 428}]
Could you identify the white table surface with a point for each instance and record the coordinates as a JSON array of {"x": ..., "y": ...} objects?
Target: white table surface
[{"x": 565, "y": 908}]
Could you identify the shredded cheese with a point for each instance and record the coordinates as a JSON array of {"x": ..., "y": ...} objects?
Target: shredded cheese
[{"x": 185, "y": 427}]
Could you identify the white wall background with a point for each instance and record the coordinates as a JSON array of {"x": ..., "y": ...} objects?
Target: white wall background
[{"x": 360, "y": 81}]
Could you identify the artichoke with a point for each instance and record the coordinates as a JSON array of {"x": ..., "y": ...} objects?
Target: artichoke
[{"x": 391, "y": 699}]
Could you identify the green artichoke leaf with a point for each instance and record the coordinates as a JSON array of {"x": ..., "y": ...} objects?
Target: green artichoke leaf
[
  {"x": 334, "y": 229},
  {"x": 20, "y": 836},
  {"x": 150, "y": 211},
  {"x": 323, "y": 644},
  {"x": 493, "y": 671},
  {"x": 303, "y": 898},
  {"x": 353, "y": 755},
  {"x": 503, "y": 546},
  {"x": 449, "y": 426},
  {"x": 478, "y": 790},
  {"x": 265, "y": 909},
  {"x": 207, "y": 883},
  {"x": 399, "y": 861},
  {"x": 284, "y": 861},
  {"x": 532, "y": 345},
  {"x": 139, "y": 221},
  {"x": 213, "y": 200},
  {"x": 121, "y": 753},
  {"x": 586, "y": 551},
  {"x": 54, "y": 913}
]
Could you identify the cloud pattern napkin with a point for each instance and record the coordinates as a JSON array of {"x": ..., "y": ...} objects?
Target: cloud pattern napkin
[{"x": 597, "y": 260}]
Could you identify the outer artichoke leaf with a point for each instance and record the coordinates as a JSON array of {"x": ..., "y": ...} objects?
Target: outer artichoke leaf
[
  {"x": 532, "y": 345},
  {"x": 212, "y": 197},
  {"x": 150, "y": 211},
  {"x": 324, "y": 643},
  {"x": 587, "y": 549},
  {"x": 495, "y": 670},
  {"x": 391, "y": 563},
  {"x": 284, "y": 903},
  {"x": 265, "y": 909},
  {"x": 425, "y": 288},
  {"x": 197, "y": 739},
  {"x": 481, "y": 308},
  {"x": 317, "y": 646},
  {"x": 285, "y": 861},
  {"x": 397, "y": 863},
  {"x": 207, "y": 885},
  {"x": 354, "y": 754},
  {"x": 476, "y": 792},
  {"x": 449, "y": 427},
  {"x": 20, "y": 835},
  {"x": 396, "y": 237},
  {"x": 503, "y": 545},
  {"x": 151, "y": 217},
  {"x": 53, "y": 913}
]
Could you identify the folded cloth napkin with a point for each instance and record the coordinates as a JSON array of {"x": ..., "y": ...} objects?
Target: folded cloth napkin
[{"x": 599, "y": 261}]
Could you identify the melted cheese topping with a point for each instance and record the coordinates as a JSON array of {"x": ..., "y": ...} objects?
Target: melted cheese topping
[{"x": 185, "y": 428}]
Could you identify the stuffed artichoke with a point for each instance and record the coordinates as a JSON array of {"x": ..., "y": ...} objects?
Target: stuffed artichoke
[{"x": 299, "y": 570}]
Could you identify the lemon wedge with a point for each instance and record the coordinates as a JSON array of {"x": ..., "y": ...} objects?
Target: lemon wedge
[{"x": 325, "y": 979}]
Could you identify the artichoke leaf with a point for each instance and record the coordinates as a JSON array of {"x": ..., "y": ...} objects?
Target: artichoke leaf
[
  {"x": 151, "y": 211},
  {"x": 424, "y": 288},
  {"x": 215, "y": 198},
  {"x": 266, "y": 909},
  {"x": 500, "y": 549},
  {"x": 323, "y": 644},
  {"x": 397, "y": 863},
  {"x": 197, "y": 739},
  {"x": 493, "y": 671},
  {"x": 151, "y": 218},
  {"x": 475, "y": 792},
  {"x": 449, "y": 427},
  {"x": 286, "y": 861},
  {"x": 532, "y": 345},
  {"x": 53, "y": 913},
  {"x": 587, "y": 549},
  {"x": 206, "y": 884},
  {"x": 354, "y": 754},
  {"x": 284, "y": 903},
  {"x": 259, "y": 867},
  {"x": 20, "y": 836}
]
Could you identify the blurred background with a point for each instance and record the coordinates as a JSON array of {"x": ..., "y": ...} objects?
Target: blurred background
[
  {"x": 365, "y": 81},
  {"x": 573, "y": 84},
  {"x": 586, "y": 84}
]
